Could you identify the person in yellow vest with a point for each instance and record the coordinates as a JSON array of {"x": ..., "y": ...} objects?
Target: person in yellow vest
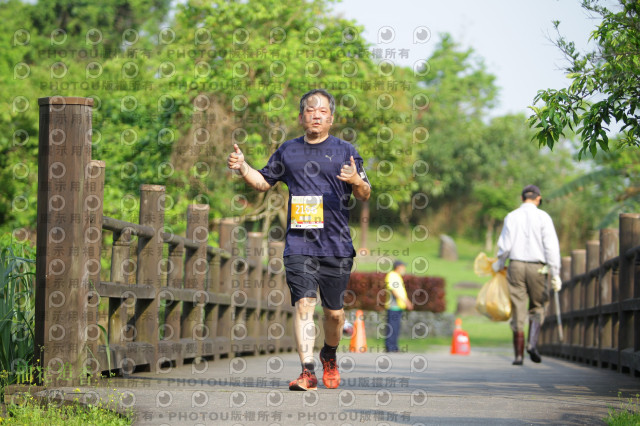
[{"x": 397, "y": 302}]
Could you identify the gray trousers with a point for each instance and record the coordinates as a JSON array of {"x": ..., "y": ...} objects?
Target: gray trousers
[{"x": 525, "y": 282}]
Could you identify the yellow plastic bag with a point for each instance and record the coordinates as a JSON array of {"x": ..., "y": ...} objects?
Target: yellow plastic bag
[{"x": 493, "y": 299}]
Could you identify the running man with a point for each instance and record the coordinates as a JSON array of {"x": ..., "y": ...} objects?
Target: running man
[{"x": 321, "y": 172}]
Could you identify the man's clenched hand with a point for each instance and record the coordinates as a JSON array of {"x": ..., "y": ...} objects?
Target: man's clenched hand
[{"x": 235, "y": 161}]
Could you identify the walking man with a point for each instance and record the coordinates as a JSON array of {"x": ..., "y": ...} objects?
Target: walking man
[
  {"x": 529, "y": 241},
  {"x": 396, "y": 303},
  {"x": 321, "y": 172}
]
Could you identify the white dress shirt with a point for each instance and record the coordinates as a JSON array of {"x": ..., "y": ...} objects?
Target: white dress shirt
[{"x": 528, "y": 235}]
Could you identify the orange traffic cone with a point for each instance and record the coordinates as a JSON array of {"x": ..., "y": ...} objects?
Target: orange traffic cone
[
  {"x": 359, "y": 338},
  {"x": 460, "y": 344}
]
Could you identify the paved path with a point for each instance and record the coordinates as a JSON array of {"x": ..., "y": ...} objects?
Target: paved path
[{"x": 378, "y": 389}]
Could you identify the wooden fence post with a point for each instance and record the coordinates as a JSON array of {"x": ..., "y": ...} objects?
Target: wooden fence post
[
  {"x": 608, "y": 250},
  {"x": 225, "y": 308},
  {"x": 194, "y": 277},
  {"x": 593, "y": 261},
  {"x": 97, "y": 310},
  {"x": 239, "y": 299},
  {"x": 578, "y": 267},
  {"x": 255, "y": 255},
  {"x": 212, "y": 309},
  {"x": 590, "y": 318},
  {"x": 629, "y": 238},
  {"x": 61, "y": 281},
  {"x": 173, "y": 307},
  {"x": 149, "y": 274},
  {"x": 122, "y": 268},
  {"x": 565, "y": 302}
]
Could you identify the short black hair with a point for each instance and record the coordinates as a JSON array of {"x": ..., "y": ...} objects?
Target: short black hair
[{"x": 303, "y": 100}]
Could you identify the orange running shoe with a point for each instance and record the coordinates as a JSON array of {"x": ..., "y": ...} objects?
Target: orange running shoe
[
  {"x": 306, "y": 381},
  {"x": 331, "y": 375}
]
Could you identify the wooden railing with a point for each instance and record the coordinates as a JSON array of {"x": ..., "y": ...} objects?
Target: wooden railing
[
  {"x": 600, "y": 302},
  {"x": 176, "y": 300}
]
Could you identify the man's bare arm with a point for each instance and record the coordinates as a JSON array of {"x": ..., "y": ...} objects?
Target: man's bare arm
[
  {"x": 361, "y": 190},
  {"x": 251, "y": 176}
]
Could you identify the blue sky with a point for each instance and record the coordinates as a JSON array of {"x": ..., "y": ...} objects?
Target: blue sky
[{"x": 513, "y": 37}]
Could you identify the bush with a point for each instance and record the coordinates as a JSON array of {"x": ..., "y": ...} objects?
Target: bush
[
  {"x": 366, "y": 290},
  {"x": 17, "y": 301}
]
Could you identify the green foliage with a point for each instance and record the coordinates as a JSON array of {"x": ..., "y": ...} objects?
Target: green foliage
[
  {"x": 495, "y": 204},
  {"x": 54, "y": 52},
  {"x": 171, "y": 98},
  {"x": 628, "y": 412},
  {"x": 612, "y": 184},
  {"x": 604, "y": 85},
  {"x": 508, "y": 162},
  {"x": 17, "y": 308},
  {"x": 460, "y": 91},
  {"x": 29, "y": 411},
  {"x": 175, "y": 85}
]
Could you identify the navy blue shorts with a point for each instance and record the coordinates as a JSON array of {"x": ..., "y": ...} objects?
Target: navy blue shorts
[{"x": 305, "y": 274}]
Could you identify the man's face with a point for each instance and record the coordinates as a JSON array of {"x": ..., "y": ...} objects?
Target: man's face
[
  {"x": 316, "y": 119},
  {"x": 401, "y": 269}
]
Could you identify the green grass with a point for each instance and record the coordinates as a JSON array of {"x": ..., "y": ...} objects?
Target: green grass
[
  {"x": 17, "y": 301},
  {"x": 628, "y": 412},
  {"x": 17, "y": 273},
  {"x": 32, "y": 413},
  {"x": 402, "y": 247},
  {"x": 482, "y": 331}
]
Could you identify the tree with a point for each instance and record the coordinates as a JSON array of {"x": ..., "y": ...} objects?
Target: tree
[
  {"x": 509, "y": 161},
  {"x": 173, "y": 97},
  {"x": 605, "y": 85},
  {"x": 262, "y": 56},
  {"x": 460, "y": 91},
  {"x": 612, "y": 185},
  {"x": 71, "y": 48}
]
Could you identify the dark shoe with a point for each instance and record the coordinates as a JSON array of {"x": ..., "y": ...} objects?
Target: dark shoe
[
  {"x": 331, "y": 375},
  {"x": 534, "y": 332},
  {"x": 518, "y": 346},
  {"x": 306, "y": 381},
  {"x": 534, "y": 355}
]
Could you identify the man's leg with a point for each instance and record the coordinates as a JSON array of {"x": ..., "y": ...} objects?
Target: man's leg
[
  {"x": 305, "y": 332},
  {"x": 305, "y": 329},
  {"x": 518, "y": 297},
  {"x": 302, "y": 280},
  {"x": 393, "y": 324},
  {"x": 335, "y": 272},
  {"x": 333, "y": 323},
  {"x": 538, "y": 296}
]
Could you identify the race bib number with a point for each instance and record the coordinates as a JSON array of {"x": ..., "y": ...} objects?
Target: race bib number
[{"x": 307, "y": 212}]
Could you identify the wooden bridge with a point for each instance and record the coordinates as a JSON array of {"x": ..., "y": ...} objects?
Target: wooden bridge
[{"x": 600, "y": 302}]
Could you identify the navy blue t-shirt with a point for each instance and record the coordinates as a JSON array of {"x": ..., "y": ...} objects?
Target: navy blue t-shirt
[{"x": 312, "y": 169}]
